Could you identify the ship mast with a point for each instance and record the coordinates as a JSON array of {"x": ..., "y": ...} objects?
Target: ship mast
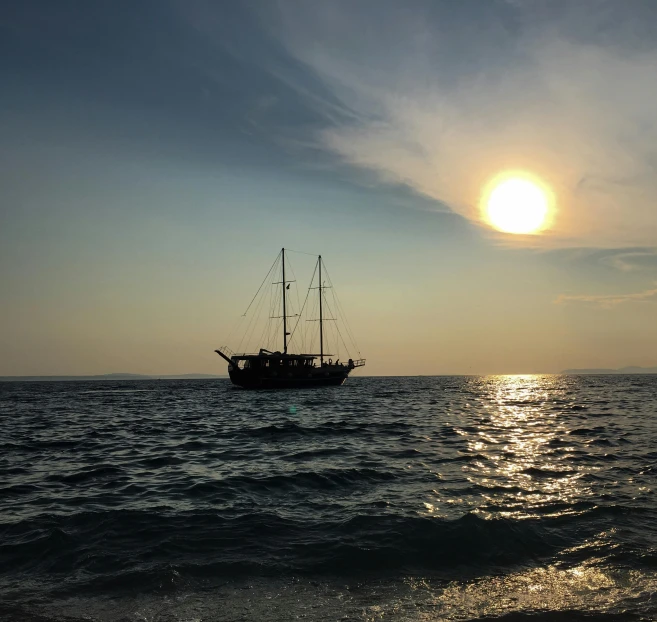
[
  {"x": 284, "y": 312},
  {"x": 321, "y": 334}
]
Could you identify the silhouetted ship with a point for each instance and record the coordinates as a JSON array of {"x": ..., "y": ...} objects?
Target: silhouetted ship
[{"x": 282, "y": 369}]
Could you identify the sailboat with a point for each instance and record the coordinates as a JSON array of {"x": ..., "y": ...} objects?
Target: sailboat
[{"x": 282, "y": 369}]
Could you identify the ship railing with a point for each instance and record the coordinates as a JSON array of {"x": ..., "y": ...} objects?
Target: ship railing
[
  {"x": 273, "y": 354},
  {"x": 227, "y": 351},
  {"x": 359, "y": 363}
]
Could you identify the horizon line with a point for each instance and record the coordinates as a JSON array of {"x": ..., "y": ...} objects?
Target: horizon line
[{"x": 200, "y": 376}]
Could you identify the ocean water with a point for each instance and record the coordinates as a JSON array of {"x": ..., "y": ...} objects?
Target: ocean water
[{"x": 415, "y": 499}]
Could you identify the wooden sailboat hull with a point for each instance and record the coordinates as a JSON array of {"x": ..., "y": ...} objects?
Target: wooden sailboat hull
[{"x": 260, "y": 381}]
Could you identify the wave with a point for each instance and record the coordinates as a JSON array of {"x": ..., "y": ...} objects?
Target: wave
[
  {"x": 313, "y": 481},
  {"x": 342, "y": 428},
  {"x": 104, "y": 546},
  {"x": 103, "y": 471},
  {"x": 109, "y": 496}
]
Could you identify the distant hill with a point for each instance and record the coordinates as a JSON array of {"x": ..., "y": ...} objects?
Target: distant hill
[
  {"x": 188, "y": 377},
  {"x": 622, "y": 370},
  {"x": 108, "y": 377}
]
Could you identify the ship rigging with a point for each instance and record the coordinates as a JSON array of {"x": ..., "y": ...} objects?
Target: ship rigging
[{"x": 279, "y": 369}]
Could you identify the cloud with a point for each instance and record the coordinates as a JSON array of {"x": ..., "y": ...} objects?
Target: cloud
[
  {"x": 633, "y": 259},
  {"x": 443, "y": 96},
  {"x": 607, "y": 301}
]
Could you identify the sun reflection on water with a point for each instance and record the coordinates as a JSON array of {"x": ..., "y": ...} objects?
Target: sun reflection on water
[
  {"x": 523, "y": 471},
  {"x": 540, "y": 589},
  {"x": 556, "y": 469},
  {"x": 516, "y": 454}
]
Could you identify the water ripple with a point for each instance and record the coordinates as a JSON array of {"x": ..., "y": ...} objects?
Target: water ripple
[{"x": 437, "y": 488}]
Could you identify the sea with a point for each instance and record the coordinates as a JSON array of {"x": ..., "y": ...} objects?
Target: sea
[{"x": 511, "y": 498}]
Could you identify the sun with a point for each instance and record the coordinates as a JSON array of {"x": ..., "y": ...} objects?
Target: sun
[{"x": 516, "y": 204}]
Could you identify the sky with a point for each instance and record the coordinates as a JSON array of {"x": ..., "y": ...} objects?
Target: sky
[{"x": 156, "y": 155}]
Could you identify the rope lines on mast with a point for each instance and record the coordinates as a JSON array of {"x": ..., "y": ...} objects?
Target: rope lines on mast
[
  {"x": 258, "y": 308},
  {"x": 301, "y": 252},
  {"x": 252, "y": 323},
  {"x": 343, "y": 315},
  {"x": 240, "y": 319},
  {"x": 278, "y": 257},
  {"x": 272, "y": 326},
  {"x": 303, "y": 307},
  {"x": 337, "y": 328},
  {"x": 291, "y": 306},
  {"x": 268, "y": 300},
  {"x": 265, "y": 336},
  {"x": 313, "y": 334}
]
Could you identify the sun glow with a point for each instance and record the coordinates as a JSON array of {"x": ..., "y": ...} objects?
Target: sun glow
[{"x": 516, "y": 204}]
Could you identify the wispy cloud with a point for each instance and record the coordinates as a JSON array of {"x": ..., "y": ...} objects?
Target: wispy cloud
[
  {"x": 631, "y": 260},
  {"x": 446, "y": 95},
  {"x": 607, "y": 301}
]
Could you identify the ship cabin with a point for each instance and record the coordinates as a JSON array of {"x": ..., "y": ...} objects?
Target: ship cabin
[
  {"x": 274, "y": 360},
  {"x": 283, "y": 362}
]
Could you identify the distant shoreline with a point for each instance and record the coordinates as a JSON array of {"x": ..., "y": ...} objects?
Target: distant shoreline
[
  {"x": 109, "y": 377},
  {"x": 604, "y": 371}
]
